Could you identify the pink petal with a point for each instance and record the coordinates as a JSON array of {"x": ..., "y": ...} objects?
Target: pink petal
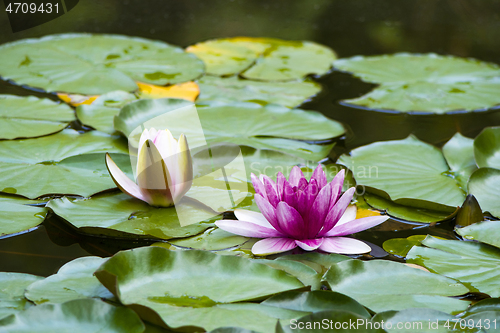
[
  {"x": 318, "y": 211},
  {"x": 247, "y": 229},
  {"x": 121, "y": 180},
  {"x": 289, "y": 195},
  {"x": 337, "y": 211},
  {"x": 296, "y": 176},
  {"x": 273, "y": 245},
  {"x": 290, "y": 221},
  {"x": 253, "y": 217},
  {"x": 320, "y": 176},
  {"x": 337, "y": 183},
  {"x": 272, "y": 194},
  {"x": 355, "y": 226},
  {"x": 310, "y": 244},
  {"x": 344, "y": 245},
  {"x": 258, "y": 186},
  {"x": 302, "y": 184},
  {"x": 268, "y": 211},
  {"x": 307, "y": 197},
  {"x": 280, "y": 181}
]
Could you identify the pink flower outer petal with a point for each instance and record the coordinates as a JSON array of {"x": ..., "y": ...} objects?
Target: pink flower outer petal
[
  {"x": 273, "y": 245},
  {"x": 247, "y": 229},
  {"x": 309, "y": 244},
  {"x": 355, "y": 226},
  {"x": 344, "y": 245}
]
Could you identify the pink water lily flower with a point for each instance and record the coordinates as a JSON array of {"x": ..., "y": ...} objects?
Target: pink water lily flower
[
  {"x": 164, "y": 169},
  {"x": 312, "y": 215}
]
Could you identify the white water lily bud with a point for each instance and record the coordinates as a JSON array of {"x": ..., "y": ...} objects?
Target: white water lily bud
[{"x": 164, "y": 169}]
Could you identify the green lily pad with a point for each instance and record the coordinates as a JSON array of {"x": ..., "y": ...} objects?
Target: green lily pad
[
  {"x": 409, "y": 171},
  {"x": 320, "y": 262},
  {"x": 484, "y": 184},
  {"x": 188, "y": 288},
  {"x": 484, "y": 232},
  {"x": 74, "y": 280},
  {"x": 487, "y": 148},
  {"x": 119, "y": 215},
  {"x": 304, "y": 273},
  {"x": 77, "y": 316},
  {"x": 231, "y": 89},
  {"x": 16, "y": 217},
  {"x": 63, "y": 163},
  {"x": 316, "y": 301},
  {"x": 401, "y": 246},
  {"x": 213, "y": 239},
  {"x": 459, "y": 154},
  {"x": 383, "y": 285},
  {"x": 12, "y": 286},
  {"x": 489, "y": 304},
  {"x": 424, "y": 82},
  {"x": 476, "y": 265},
  {"x": 414, "y": 214},
  {"x": 419, "y": 321},
  {"x": 337, "y": 321},
  {"x": 248, "y": 124},
  {"x": 266, "y": 59},
  {"x": 99, "y": 115},
  {"x": 95, "y": 64},
  {"x": 22, "y": 117}
]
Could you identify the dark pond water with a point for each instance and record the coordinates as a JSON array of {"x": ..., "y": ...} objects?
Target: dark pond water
[{"x": 358, "y": 27}]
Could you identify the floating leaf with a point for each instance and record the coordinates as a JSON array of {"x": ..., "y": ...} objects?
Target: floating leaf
[
  {"x": 63, "y": 163},
  {"x": 338, "y": 321},
  {"x": 74, "y": 280},
  {"x": 100, "y": 113},
  {"x": 249, "y": 124},
  {"x": 401, "y": 246},
  {"x": 425, "y": 82},
  {"x": 406, "y": 169},
  {"x": 264, "y": 58},
  {"x": 383, "y": 285},
  {"x": 418, "y": 321},
  {"x": 484, "y": 232},
  {"x": 22, "y": 117},
  {"x": 475, "y": 265},
  {"x": 77, "y": 316},
  {"x": 95, "y": 64},
  {"x": 16, "y": 217},
  {"x": 315, "y": 301},
  {"x": 319, "y": 261},
  {"x": 119, "y": 215},
  {"x": 213, "y": 239},
  {"x": 187, "y": 288},
  {"x": 459, "y": 154},
  {"x": 484, "y": 184},
  {"x": 487, "y": 148},
  {"x": 304, "y": 273},
  {"x": 289, "y": 94},
  {"x": 414, "y": 214},
  {"x": 12, "y": 286}
]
